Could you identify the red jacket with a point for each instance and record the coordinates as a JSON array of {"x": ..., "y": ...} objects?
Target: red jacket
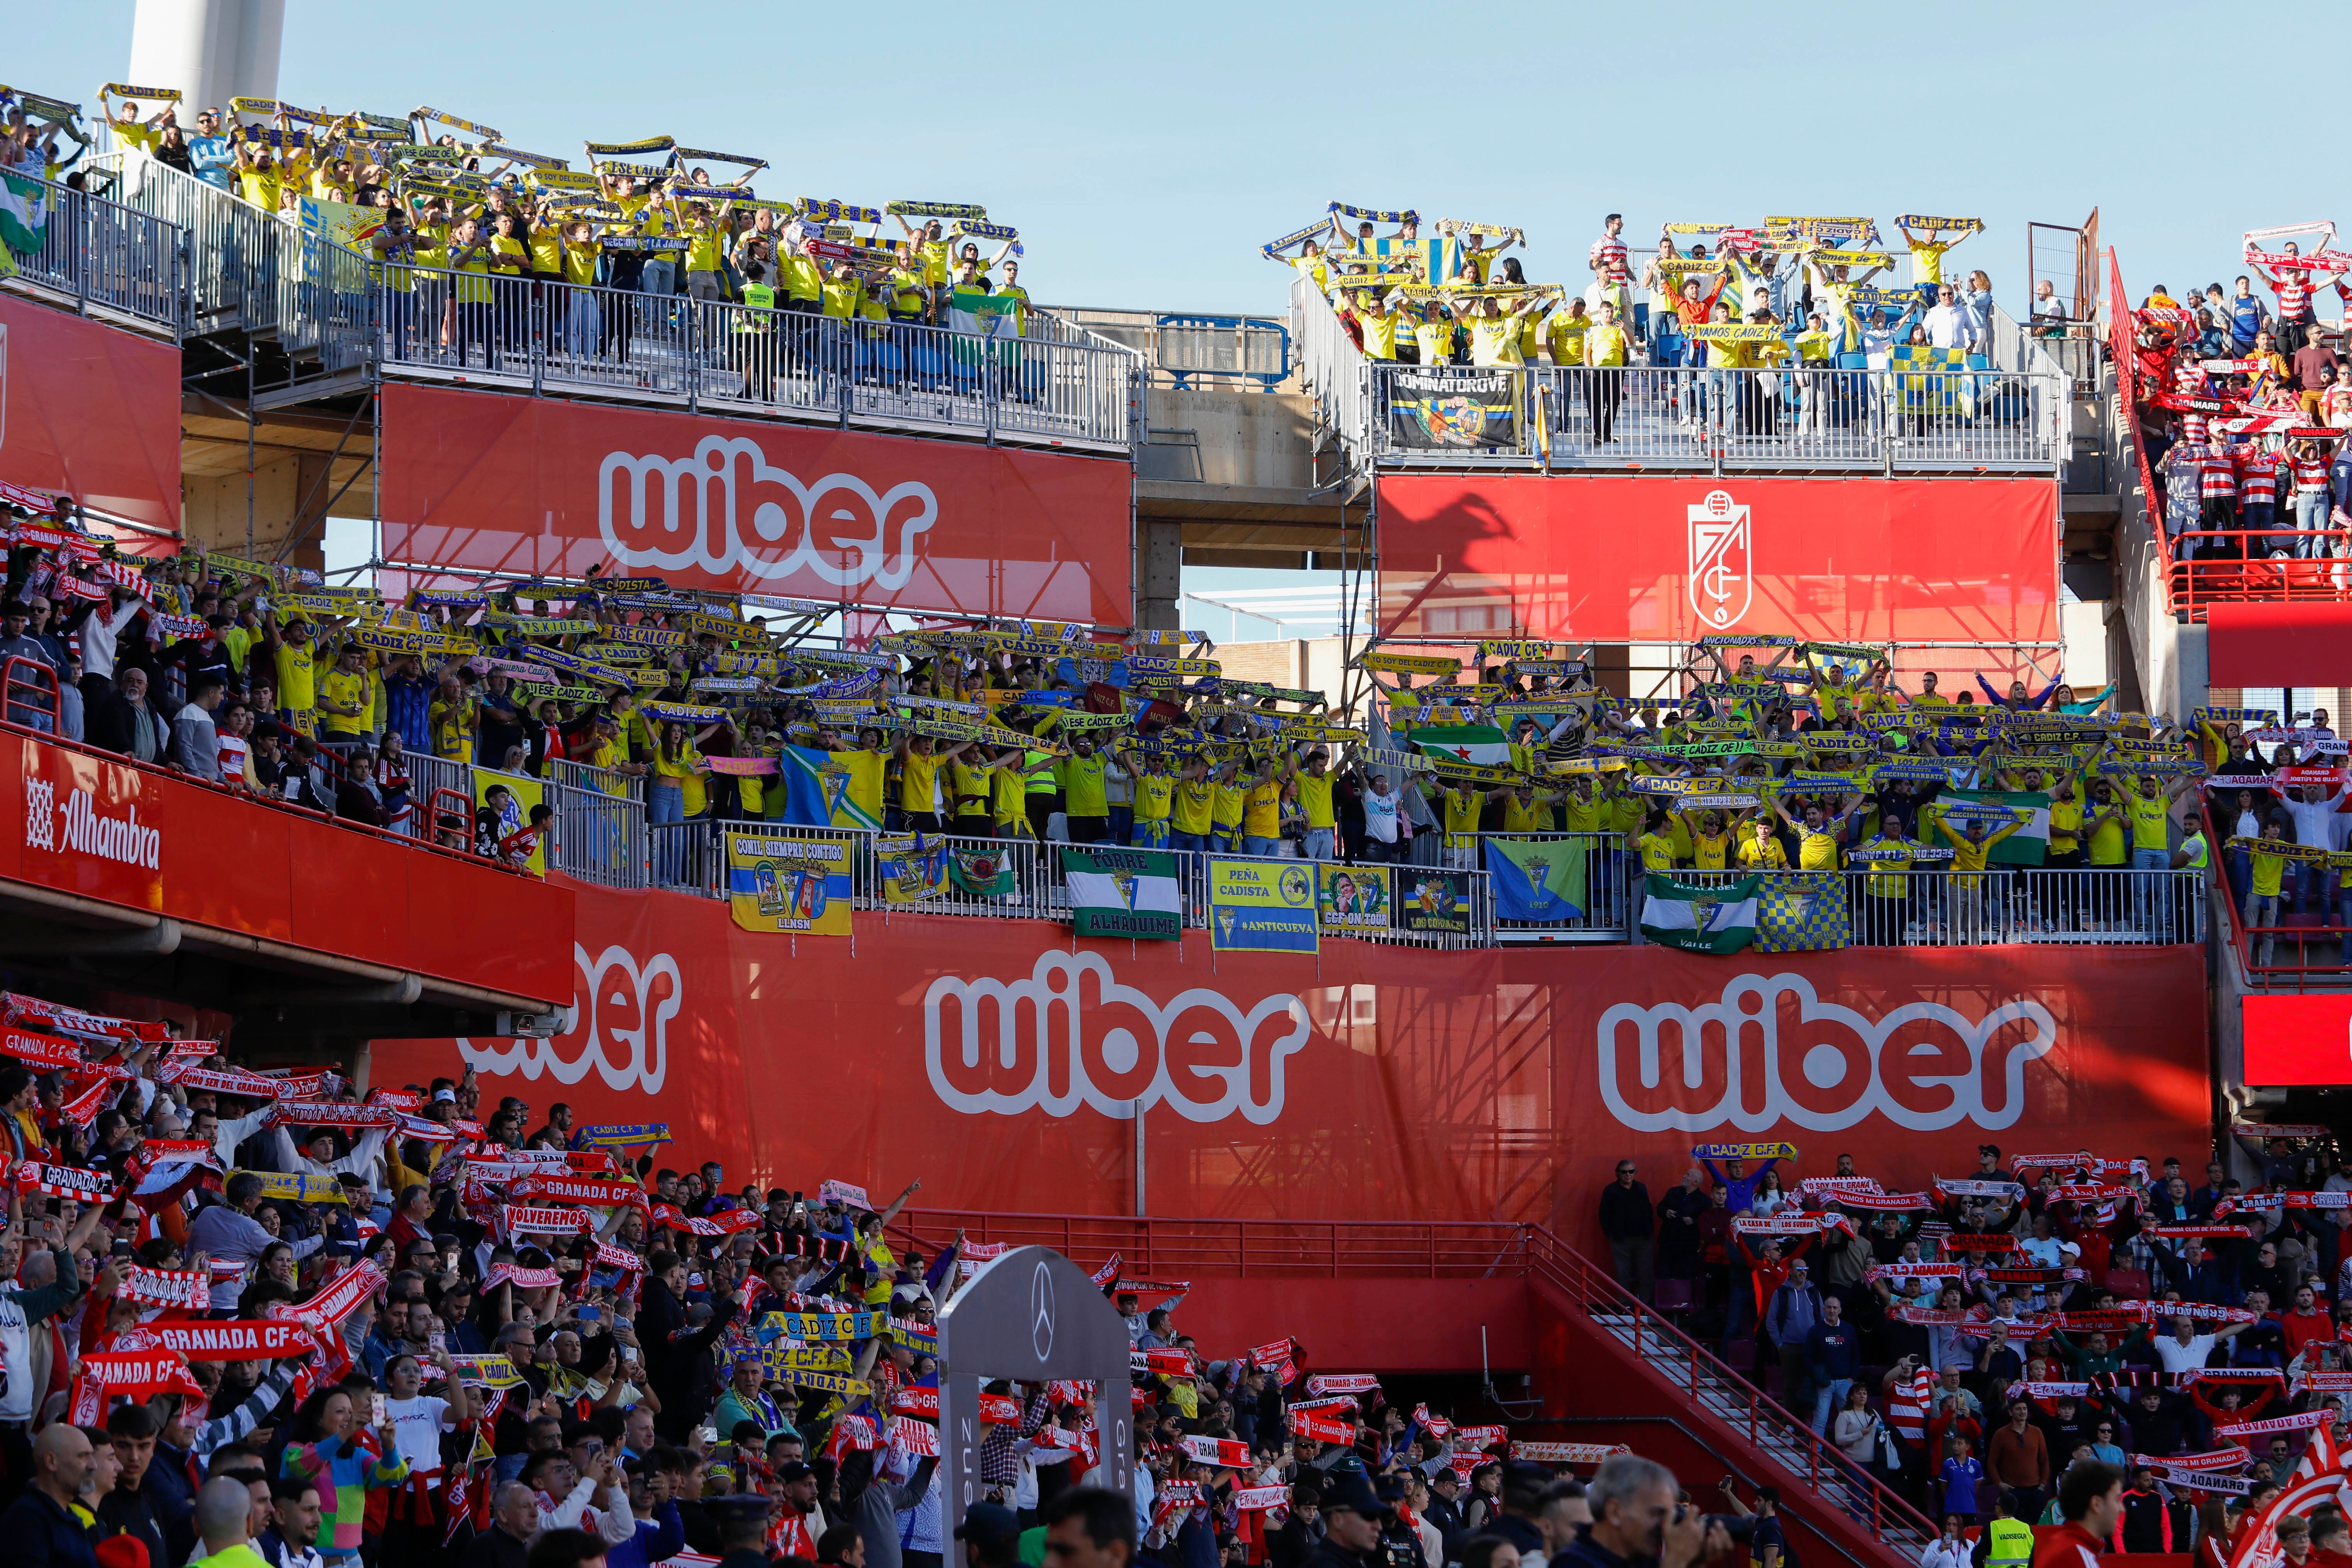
[
  {"x": 2068, "y": 1546},
  {"x": 2305, "y": 1328}
]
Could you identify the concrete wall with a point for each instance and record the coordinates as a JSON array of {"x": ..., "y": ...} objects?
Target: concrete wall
[
  {"x": 1264, "y": 440},
  {"x": 214, "y": 513}
]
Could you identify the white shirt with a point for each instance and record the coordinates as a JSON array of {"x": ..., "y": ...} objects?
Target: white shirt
[
  {"x": 2314, "y": 820},
  {"x": 1381, "y": 816},
  {"x": 416, "y": 1426},
  {"x": 101, "y": 633},
  {"x": 1948, "y": 326},
  {"x": 2178, "y": 1357}
]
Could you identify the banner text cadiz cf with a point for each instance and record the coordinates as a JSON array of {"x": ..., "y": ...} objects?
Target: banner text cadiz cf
[
  {"x": 487, "y": 482},
  {"x": 1855, "y": 559}
]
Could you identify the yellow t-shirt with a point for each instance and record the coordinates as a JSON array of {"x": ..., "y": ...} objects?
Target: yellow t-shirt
[
  {"x": 1495, "y": 340},
  {"x": 2065, "y": 824},
  {"x": 343, "y": 689},
  {"x": 1315, "y": 797},
  {"x": 1463, "y": 809},
  {"x": 259, "y": 186},
  {"x": 294, "y": 664},
  {"x": 2270, "y": 870},
  {"x": 1082, "y": 786},
  {"x": 1435, "y": 340},
  {"x": 1764, "y": 855},
  {"x": 1379, "y": 333},
  {"x": 1927, "y": 260},
  {"x": 681, "y": 772},
  {"x": 1533, "y": 817},
  {"x": 1566, "y": 334},
  {"x": 917, "y": 777},
  {"x": 547, "y": 251},
  {"x": 1194, "y": 797},
  {"x": 1582, "y": 816},
  {"x": 702, "y": 247},
  {"x": 1154, "y": 794},
  {"x": 580, "y": 257},
  {"x": 1009, "y": 800},
  {"x": 2150, "y": 820},
  {"x": 1604, "y": 344},
  {"x": 1228, "y": 801},
  {"x": 1265, "y": 815},
  {"x": 1816, "y": 851},
  {"x": 1709, "y": 851},
  {"x": 972, "y": 788},
  {"x": 2107, "y": 843},
  {"x": 1657, "y": 852}
]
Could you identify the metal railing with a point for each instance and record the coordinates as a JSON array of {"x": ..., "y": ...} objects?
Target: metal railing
[
  {"x": 2045, "y": 905},
  {"x": 2301, "y": 919},
  {"x": 599, "y": 837},
  {"x": 1187, "y": 352},
  {"x": 107, "y": 257},
  {"x": 606, "y": 780},
  {"x": 1055, "y": 384},
  {"x": 690, "y": 858},
  {"x": 2012, "y": 412}
]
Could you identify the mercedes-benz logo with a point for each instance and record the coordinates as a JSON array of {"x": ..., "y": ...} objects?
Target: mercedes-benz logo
[{"x": 1041, "y": 1311}]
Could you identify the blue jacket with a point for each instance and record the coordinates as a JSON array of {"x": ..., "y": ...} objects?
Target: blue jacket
[
  {"x": 664, "y": 1535},
  {"x": 37, "y": 1533}
]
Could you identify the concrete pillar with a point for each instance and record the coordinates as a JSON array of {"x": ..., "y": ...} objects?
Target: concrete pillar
[
  {"x": 1160, "y": 566},
  {"x": 212, "y": 50}
]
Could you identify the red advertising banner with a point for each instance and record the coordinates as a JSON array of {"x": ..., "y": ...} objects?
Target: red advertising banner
[
  {"x": 1000, "y": 1062},
  {"x": 90, "y": 411},
  {"x": 1672, "y": 559},
  {"x": 107, "y": 830},
  {"x": 488, "y": 482},
  {"x": 2297, "y": 1041}
]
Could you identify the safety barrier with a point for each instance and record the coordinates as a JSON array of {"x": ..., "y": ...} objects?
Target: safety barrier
[
  {"x": 607, "y": 781},
  {"x": 2048, "y": 905},
  {"x": 1712, "y": 419},
  {"x": 1051, "y": 385},
  {"x": 2306, "y": 933},
  {"x": 690, "y": 858},
  {"x": 1186, "y": 351},
  {"x": 107, "y": 257}
]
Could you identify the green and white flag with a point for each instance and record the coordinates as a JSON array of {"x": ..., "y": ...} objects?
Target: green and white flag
[
  {"x": 988, "y": 315},
  {"x": 2029, "y": 845},
  {"x": 983, "y": 873},
  {"x": 1699, "y": 920},
  {"x": 24, "y": 214},
  {"x": 1481, "y": 745},
  {"x": 1123, "y": 892}
]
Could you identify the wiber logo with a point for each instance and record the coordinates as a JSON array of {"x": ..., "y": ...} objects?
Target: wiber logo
[
  {"x": 77, "y": 826},
  {"x": 1924, "y": 1067},
  {"x": 620, "y": 1027},
  {"x": 1069, "y": 1034},
  {"x": 727, "y": 508}
]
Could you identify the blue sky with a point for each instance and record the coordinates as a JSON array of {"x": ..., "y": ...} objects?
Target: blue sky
[{"x": 1144, "y": 153}]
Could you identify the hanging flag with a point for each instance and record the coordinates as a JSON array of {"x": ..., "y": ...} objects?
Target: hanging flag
[
  {"x": 1538, "y": 879},
  {"x": 816, "y": 789},
  {"x": 24, "y": 214},
  {"x": 1123, "y": 892},
  {"x": 1716, "y": 919},
  {"x": 1801, "y": 914},
  {"x": 982, "y": 873},
  {"x": 912, "y": 867},
  {"x": 2029, "y": 845}
]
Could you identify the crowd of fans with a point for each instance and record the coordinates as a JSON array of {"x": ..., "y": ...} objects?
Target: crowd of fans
[
  {"x": 2276, "y": 800},
  {"x": 2241, "y": 404},
  {"x": 1967, "y": 1342},
  {"x": 1786, "y": 293},
  {"x": 261, "y": 1308}
]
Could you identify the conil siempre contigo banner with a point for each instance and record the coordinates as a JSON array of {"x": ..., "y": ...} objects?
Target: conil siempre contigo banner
[{"x": 1006, "y": 1063}]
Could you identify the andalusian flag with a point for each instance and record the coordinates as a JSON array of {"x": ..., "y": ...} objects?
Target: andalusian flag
[
  {"x": 1536, "y": 880},
  {"x": 2029, "y": 845},
  {"x": 1699, "y": 920},
  {"x": 1482, "y": 745},
  {"x": 1123, "y": 892},
  {"x": 983, "y": 314},
  {"x": 24, "y": 214}
]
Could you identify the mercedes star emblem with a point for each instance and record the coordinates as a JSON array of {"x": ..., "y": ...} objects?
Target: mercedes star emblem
[{"x": 1041, "y": 1311}]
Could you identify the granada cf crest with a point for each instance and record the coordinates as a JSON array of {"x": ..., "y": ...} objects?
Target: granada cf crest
[{"x": 1720, "y": 578}]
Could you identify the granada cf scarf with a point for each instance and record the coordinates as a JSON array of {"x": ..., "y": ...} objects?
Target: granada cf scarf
[
  {"x": 139, "y": 1376},
  {"x": 1567, "y": 1453},
  {"x": 168, "y": 1287},
  {"x": 1318, "y": 1428},
  {"x": 64, "y": 1182}
]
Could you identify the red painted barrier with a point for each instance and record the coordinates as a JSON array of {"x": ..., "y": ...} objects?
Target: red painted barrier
[
  {"x": 104, "y": 828},
  {"x": 1662, "y": 559},
  {"x": 90, "y": 411},
  {"x": 529, "y": 485},
  {"x": 999, "y": 1061}
]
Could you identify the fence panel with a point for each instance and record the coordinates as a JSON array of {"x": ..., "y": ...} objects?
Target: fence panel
[
  {"x": 1656, "y": 418},
  {"x": 1595, "y": 882},
  {"x": 107, "y": 253},
  {"x": 610, "y": 781},
  {"x": 599, "y": 837}
]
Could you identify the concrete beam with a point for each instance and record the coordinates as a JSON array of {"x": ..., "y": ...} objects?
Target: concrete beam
[{"x": 1160, "y": 558}]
